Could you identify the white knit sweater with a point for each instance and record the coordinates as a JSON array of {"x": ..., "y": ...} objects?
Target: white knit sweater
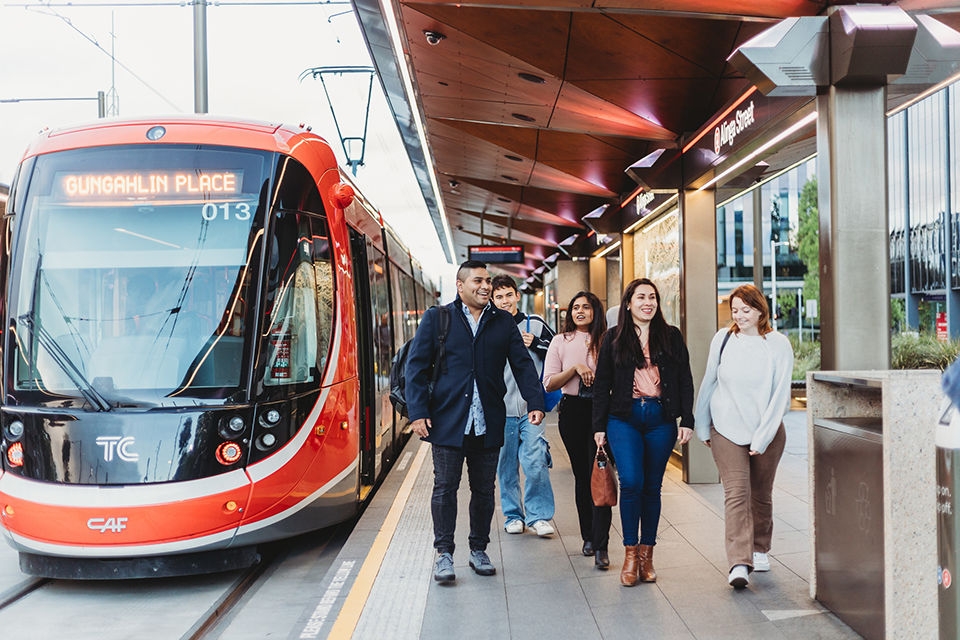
[{"x": 746, "y": 393}]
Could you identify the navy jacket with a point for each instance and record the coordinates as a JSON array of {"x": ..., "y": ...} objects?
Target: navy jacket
[
  {"x": 468, "y": 358},
  {"x": 613, "y": 385}
]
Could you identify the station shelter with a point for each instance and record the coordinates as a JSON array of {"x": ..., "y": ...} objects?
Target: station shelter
[{"x": 745, "y": 132}]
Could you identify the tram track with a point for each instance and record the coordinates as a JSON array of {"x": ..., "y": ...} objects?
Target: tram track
[
  {"x": 208, "y": 624},
  {"x": 21, "y": 590},
  {"x": 200, "y": 607}
]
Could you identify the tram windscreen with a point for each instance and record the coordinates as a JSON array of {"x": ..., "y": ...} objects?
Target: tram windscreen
[{"x": 133, "y": 272}]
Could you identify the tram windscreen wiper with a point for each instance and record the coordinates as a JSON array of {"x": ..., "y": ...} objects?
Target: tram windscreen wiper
[{"x": 59, "y": 356}]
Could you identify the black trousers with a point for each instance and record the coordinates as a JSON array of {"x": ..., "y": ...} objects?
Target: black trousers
[{"x": 577, "y": 434}]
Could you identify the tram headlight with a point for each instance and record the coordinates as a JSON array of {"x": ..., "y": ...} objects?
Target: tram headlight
[
  {"x": 270, "y": 418},
  {"x": 266, "y": 441},
  {"x": 14, "y": 431},
  {"x": 232, "y": 426}
]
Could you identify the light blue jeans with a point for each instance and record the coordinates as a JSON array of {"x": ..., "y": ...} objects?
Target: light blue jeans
[{"x": 524, "y": 445}]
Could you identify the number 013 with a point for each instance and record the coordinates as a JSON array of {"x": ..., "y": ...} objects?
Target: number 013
[{"x": 226, "y": 210}]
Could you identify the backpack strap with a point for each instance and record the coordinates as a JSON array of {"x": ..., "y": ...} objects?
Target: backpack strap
[
  {"x": 722, "y": 345},
  {"x": 443, "y": 329}
]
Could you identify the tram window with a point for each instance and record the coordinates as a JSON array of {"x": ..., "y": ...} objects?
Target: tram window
[
  {"x": 301, "y": 318},
  {"x": 128, "y": 296}
]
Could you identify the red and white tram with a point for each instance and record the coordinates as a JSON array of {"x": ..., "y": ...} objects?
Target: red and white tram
[{"x": 199, "y": 320}]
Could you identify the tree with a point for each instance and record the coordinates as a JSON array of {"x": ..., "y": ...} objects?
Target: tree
[{"x": 808, "y": 240}]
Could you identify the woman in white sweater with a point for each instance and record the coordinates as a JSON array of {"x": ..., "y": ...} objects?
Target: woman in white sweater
[{"x": 743, "y": 397}]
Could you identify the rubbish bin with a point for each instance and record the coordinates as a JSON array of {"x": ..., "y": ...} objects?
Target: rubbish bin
[
  {"x": 848, "y": 506},
  {"x": 948, "y": 527}
]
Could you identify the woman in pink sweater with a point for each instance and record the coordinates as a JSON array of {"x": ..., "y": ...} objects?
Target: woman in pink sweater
[{"x": 570, "y": 365}]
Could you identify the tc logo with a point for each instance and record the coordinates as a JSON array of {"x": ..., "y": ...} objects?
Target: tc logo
[
  {"x": 115, "y": 525},
  {"x": 119, "y": 445}
]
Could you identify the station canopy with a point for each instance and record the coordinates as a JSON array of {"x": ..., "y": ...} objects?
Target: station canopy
[{"x": 533, "y": 110}]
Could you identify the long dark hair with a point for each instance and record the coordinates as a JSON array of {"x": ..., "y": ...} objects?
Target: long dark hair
[
  {"x": 597, "y": 327},
  {"x": 626, "y": 344}
]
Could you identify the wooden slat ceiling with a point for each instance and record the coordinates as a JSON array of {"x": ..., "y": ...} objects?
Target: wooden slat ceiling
[{"x": 534, "y": 108}]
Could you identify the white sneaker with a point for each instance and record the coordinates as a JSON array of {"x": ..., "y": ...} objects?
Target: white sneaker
[
  {"x": 514, "y": 526},
  {"x": 760, "y": 561},
  {"x": 738, "y": 577},
  {"x": 542, "y": 528}
]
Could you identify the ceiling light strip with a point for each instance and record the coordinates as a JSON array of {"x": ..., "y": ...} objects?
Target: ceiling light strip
[
  {"x": 651, "y": 218},
  {"x": 606, "y": 250},
  {"x": 767, "y": 179},
  {"x": 924, "y": 94},
  {"x": 390, "y": 16},
  {"x": 781, "y": 136}
]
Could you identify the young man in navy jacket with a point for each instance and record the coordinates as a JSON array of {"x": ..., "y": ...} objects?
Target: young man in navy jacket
[{"x": 464, "y": 414}]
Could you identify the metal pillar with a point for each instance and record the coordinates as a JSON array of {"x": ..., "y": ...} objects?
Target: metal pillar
[
  {"x": 200, "y": 56},
  {"x": 854, "y": 233}
]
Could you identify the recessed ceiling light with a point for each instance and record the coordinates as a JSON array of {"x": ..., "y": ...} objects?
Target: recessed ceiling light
[
  {"x": 510, "y": 178},
  {"x": 514, "y": 158},
  {"x": 523, "y": 116},
  {"x": 529, "y": 77}
]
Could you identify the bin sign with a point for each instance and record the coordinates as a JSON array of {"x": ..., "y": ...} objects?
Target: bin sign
[{"x": 948, "y": 520}]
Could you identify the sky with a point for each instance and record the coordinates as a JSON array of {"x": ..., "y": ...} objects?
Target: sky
[{"x": 256, "y": 52}]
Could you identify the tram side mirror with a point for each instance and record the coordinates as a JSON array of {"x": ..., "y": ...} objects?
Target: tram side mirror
[{"x": 342, "y": 195}]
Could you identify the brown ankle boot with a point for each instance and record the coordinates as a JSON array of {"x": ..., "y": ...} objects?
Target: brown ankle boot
[
  {"x": 645, "y": 553},
  {"x": 629, "y": 574}
]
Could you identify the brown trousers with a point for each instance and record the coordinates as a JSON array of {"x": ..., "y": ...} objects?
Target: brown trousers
[{"x": 747, "y": 494}]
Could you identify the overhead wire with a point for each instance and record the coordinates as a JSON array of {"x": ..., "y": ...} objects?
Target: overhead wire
[{"x": 92, "y": 40}]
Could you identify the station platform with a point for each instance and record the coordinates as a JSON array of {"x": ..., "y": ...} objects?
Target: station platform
[{"x": 381, "y": 583}]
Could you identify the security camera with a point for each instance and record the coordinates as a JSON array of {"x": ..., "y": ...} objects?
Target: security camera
[{"x": 434, "y": 37}]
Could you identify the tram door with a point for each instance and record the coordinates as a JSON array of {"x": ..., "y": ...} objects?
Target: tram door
[{"x": 373, "y": 357}]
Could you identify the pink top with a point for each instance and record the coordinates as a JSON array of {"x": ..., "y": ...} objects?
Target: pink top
[
  {"x": 646, "y": 381},
  {"x": 567, "y": 350}
]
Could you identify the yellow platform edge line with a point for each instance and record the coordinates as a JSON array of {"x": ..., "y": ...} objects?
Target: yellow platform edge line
[{"x": 349, "y": 616}]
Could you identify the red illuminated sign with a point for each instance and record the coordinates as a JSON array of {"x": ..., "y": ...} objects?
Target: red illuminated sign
[{"x": 497, "y": 253}]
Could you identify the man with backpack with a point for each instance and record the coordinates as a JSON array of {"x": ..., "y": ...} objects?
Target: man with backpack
[
  {"x": 524, "y": 444},
  {"x": 461, "y": 410}
]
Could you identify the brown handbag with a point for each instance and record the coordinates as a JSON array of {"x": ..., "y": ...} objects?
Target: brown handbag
[{"x": 603, "y": 484}]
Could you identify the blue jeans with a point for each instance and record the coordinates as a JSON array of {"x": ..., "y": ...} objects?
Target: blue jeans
[
  {"x": 482, "y": 474},
  {"x": 524, "y": 445},
  {"x": 641, "y": 447}
]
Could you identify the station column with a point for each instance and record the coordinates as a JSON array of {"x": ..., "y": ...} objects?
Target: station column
[
  {"x": 854, "y": 233},
  {"x": 698, "y": 304}
]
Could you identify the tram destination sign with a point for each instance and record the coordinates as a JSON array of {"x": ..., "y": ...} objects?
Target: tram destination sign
[
  {"x": 191, "y": 183},
  {"x": 496, "y": 253}
]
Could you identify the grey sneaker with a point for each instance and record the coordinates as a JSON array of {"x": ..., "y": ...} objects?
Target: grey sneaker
[
  {"x": 443, "y": 569},
  {"x": 480, "y": 563}
]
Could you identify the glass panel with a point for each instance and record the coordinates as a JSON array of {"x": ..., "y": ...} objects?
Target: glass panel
[
  {"x": 301, "y": 318},
  {"x": 133, "y": 271},
  {"x": 656, "y": 249}
]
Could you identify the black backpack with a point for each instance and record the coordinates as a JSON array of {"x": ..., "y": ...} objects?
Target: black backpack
[{"x": 398, "y": 377}]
